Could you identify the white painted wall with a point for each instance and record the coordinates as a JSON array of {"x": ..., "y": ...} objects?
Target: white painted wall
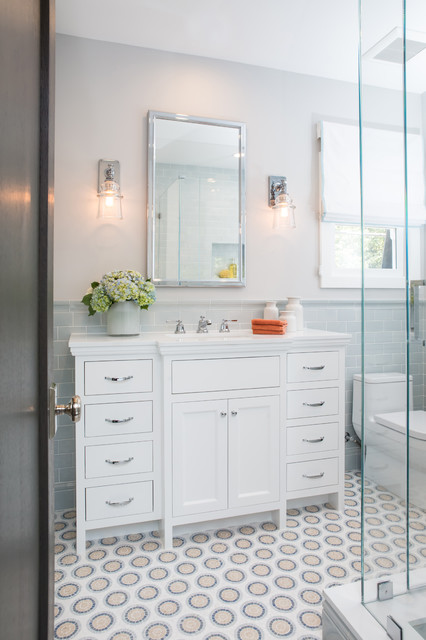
[{"x": 103, "y": 93}]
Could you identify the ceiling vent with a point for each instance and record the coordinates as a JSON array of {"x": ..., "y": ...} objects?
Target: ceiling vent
[{"x": 390, "y": 48}]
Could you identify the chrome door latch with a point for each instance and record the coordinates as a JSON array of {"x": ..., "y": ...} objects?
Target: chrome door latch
[{"x": 72, "y": 409}]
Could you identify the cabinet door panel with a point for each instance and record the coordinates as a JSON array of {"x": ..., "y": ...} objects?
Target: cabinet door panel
[
  {"x": 253, "y": 451},
  {"x": 200, "y": 464}
]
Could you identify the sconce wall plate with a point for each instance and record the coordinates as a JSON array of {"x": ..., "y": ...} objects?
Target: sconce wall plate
[{"x": 103, "y": 166}]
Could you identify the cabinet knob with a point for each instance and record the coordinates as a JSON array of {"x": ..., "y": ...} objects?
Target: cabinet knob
[
  {"x": 234, "y": 413},
  {"x": 223, "y": 414}
]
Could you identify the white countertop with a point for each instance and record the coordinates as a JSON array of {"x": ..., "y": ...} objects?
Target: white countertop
[{"x": 170, "y": 343}]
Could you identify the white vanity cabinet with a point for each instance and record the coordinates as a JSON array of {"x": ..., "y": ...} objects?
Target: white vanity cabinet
[
  {"x": 118, "y": 457},
  {"x": 184, "y": 430},
  {"x": 225, "y": 454},
  {"x": 315, "y": 401}
]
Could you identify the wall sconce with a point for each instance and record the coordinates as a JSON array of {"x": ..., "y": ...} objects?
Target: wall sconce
[
  {"x": 109, "y": 189},
  {"x": 280, "y": 201}
]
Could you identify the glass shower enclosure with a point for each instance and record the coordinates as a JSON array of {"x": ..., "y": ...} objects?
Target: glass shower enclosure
[{"x": 391, "y": 387}]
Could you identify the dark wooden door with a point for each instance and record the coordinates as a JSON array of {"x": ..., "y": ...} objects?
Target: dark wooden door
[{"x": 26, "y": 203}]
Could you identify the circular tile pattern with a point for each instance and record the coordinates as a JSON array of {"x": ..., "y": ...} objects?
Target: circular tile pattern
[
  {"x": 229, "y": 595},
  {"x": 66, "y": 629},
  {"x": 177, "y": 586},
  {"x": 136, "y": 615},
  {"x": 168, "y": 608},
  {"x": 199, "y": 601},
  {"x": 248, "y": 632},
  {"x": 158, "y": 631},
  {"x": 223, "y": 617},
  {"x": 101, "y": 622},
  {"x": 84, "y": 605},
  {"x": 280, "y": 627},
  {"x": 191, "y": 624},
  {"x": 253, "y": 573}
]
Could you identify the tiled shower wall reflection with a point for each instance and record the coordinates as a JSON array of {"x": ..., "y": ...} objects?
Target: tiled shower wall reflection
[{"x": 384, "y": 346}]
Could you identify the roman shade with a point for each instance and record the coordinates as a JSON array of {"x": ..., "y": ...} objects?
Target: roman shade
[{"x": 383, "y": 176}]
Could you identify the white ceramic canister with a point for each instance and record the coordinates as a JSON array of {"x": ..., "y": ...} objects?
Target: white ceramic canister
[
  {"x": 290, "y": 318},
  {"x": 270, "y": 311},
  {"x": 123, "y": 319},
  {"x": 295, "y": 307}
]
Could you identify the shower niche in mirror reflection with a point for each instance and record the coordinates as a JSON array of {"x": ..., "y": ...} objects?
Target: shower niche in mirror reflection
[{"x": 196, "y": 201}]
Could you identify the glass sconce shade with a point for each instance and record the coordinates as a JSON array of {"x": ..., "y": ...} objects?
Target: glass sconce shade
[
  {"x": 281, "y": 202},
  {"x": 109, "y": 194}
]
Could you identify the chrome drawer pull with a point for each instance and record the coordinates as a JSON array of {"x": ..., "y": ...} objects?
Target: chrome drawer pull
[
  {"x": 118, "y": 504},
  {"x": 119, "y": 461},
  {"x": 319, "y": 368},
  {"x": 314, "y": 440},
  {"x": 318, "y": 475},
  {"x": 123, "y": 379},
  {"x": 313, "y": 404},
  {"x": 118, "y": 421}
]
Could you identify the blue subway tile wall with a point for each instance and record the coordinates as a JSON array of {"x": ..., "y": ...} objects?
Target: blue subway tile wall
[{"x": 385, "y": 349}]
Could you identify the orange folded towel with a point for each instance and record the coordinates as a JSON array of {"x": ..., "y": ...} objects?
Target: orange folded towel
[
  {"x": 261, "y": 321},
  {"x": 269, "y": 327},
  {"x": 271, "y": 332}
]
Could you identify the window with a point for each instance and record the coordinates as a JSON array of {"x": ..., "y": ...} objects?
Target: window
[
  {"x": 383, "y": 255},
  {"x": 383, "y": 205}
]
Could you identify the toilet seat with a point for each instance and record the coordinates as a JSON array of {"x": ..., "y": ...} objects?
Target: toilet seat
[{"x": 397, "y": 422}]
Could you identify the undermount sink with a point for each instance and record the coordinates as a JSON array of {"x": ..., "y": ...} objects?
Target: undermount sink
[{"x": 200, "y": 337}]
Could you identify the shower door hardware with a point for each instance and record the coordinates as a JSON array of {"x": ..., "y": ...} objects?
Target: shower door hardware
[
  {"x": 72, "y": 409},
  {"x": 385, "y": 590},
  {"x": 393, "y": 629},
  {"x": 415, "y": 307}
]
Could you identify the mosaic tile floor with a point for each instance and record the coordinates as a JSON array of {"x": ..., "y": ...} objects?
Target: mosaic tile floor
[{"x": 239, "y": 583}]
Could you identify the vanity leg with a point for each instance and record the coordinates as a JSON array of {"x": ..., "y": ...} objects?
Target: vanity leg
[
  {"x": 279, "y": 518},
  {"x": 80, "y": 544},
  {"x": 337, "y": 500},
  {"x": 167, "y": 535}
]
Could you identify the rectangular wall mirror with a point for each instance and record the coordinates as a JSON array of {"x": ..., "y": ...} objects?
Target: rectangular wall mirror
[{"x": 196, "y": 201}]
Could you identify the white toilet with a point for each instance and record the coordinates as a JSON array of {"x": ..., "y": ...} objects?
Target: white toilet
[{"x": 385, "y": 434}]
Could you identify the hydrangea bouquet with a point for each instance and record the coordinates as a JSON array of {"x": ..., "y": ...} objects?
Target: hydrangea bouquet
[{"x": 119, "y": 286}]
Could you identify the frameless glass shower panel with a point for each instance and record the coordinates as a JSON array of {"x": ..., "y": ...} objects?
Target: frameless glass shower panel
[
  {"x": 415, "y": 103},
  {"x": 381, "y": 391}
]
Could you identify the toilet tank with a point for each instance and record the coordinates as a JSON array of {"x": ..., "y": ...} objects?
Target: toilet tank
[{"x": 383, "y": 393}]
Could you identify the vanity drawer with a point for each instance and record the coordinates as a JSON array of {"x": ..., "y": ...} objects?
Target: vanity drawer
[
  {"x": 117, "y": 418},
  {"x": 313, "y": 366},
  {"x": 312, "y": 438},
  {"x": 310, "y": 403},
  {"x": 118, "y": 459},
  {"x": 119, "y": 500},
  {"x": 117, "y": 376},
  {"x": 225, "y": 374},
  {"x": 312, "y": 474}
]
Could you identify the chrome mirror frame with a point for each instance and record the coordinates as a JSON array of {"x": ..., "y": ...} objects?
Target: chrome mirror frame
[{"x": 153, "y": 117}]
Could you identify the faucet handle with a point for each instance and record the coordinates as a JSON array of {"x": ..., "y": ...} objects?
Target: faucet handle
[
  {"x": 179, "y": 326},
  {"x": 204, "y": 320},
  {"x": 224, "y": 327}
]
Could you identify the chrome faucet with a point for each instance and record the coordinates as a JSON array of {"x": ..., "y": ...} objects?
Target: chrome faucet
[
  {"x": 224, "y": 327},
  {"x": 202, "y": 325},
  {"x": 179, "y": 326}
]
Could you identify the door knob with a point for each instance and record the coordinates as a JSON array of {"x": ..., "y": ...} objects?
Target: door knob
[{"x": 72, "y": 409}]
